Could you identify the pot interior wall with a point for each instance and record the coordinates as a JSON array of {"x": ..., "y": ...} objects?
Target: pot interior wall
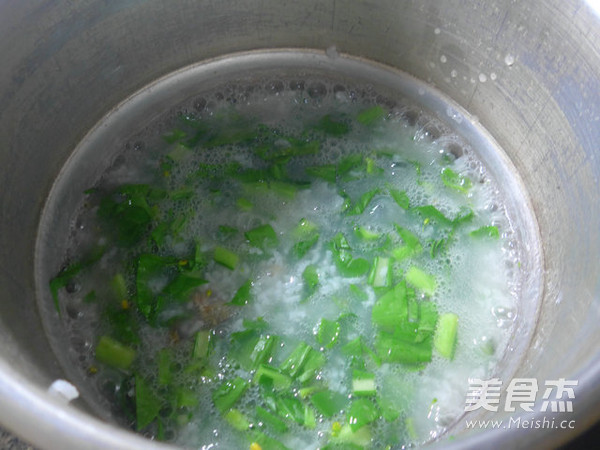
[{"x": 526, "y": 70}]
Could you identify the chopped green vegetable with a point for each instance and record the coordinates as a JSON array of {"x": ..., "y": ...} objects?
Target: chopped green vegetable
[
  {"x": 226, "y": 232},
  {"x": 362, "y": 412},
  {"x": 237, "y": 420},
  {"x": 362, "y": 203},
  {"x": 329, "y": 403},
  {"x": 149, "y": 268},
  {"x": 244, "y": 204},
  {"x": 370, "y": 115},
  {"x": 439, "y": 246},
  {"x": 147, "y": 403},
  {"x": 273, "y": 377},
  {"x": 305, "y": 229},
  {"x": 114, "y": 354},
  {"x": 265, "y": 442},
  {"x": 421, "y": 280},
  {"x": 226, "y": 257},
  {"x": 346, "y": 264},
  {"x": 262, "y": 237},
  {"x": 184, "y": 283},
  {"x": 311, "y": 278},
  {"x": 358, "y": 349},
  {"x": 410, "y": 239},
  {"x": 327, "y": 172},
  {"x": 366, "y": 234},
  {"x": 328, "y": 333},
  {"x": 400, "y": 198},
  {"x": 261, "y": 353},
  {"x": 228, "y": 393},
  {"x": 352, "y": 440},
  {"x": 465, "y": 215},
  {"x": 271, "y": 420},
  {"x": 487, "y": 231},
  {"x": 251, "y": 349},
  {"x": 258, "y": 324},
  {"x": 243, "y": 295},
  {"x": 127, "y": 213},
  {"x": 313, "y": 363},
  {"x": 363, "y": 383},
  {"x": 455, "y": 181},
  {"x": 119, "y": 287},
  {"x": 391, "y": 309},
  {"x": 358, "y": 293},
  {"x": 202, "y": 344},
  {"x": 433, "y": 215},
  {"x": 393, "y": 349},
  {"x": 381, "y": 272},
  {"x": 186, "y": 398},
  {"x": 302, "y": 247},
  {"x": 310, "y": 421},
  {"x": 445, "y": 335},
  {"x": 290, "y": 408}
]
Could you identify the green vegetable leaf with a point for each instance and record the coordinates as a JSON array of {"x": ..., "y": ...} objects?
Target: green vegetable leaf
[
  {"x": 147, "y": 403},
  {"x": 370, "y": 115},
  {"x": 392, "y": 348},
  {"x": 431, "y": 214},
  {"x": 259, "y": 324},
  {"x": 237, "y": 420},
  {"x": 421, "y": 280},
  {"x": 114, "y": 354},
  {"x": 184, "y": 283},
  {"x": 362, "y": 412},
  {"x": 328, "y": 333},
  {"x": 346, "y": 264},
  {"x": 300, "y": 248},
  {"x": 262, "y": 237},
  {"x": 329, "y": 403},
  {"x": 391, "y": 309},
  {"x": 271, "y": 420},
  {"x": 226, "y": 257},
  {"x": 272, "y": 377},
  {"x": 127, "y": 213},
  {"x": 362, "y": 203},
  {"x": 311, "y": 278},
  {"x": 487, "y": 231},
  {"x": 455, "y": 181},
  {"x": 290, "y": 408},
  {"x": 365, "y": 234},
  {"x": 400, "y": 198},
  {"x": 149, "y": 268},
  {"x": 243, "y": 295},
  {"x": 228, "y": 393}
]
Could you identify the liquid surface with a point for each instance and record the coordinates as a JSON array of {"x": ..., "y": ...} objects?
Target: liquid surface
[{"x": 262, "y": 221}]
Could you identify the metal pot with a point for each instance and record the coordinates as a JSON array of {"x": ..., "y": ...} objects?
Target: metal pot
[{"x": 527, "y": 70}]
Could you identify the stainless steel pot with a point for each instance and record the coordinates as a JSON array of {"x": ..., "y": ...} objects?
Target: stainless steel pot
[{"x": 528, "y": 70}]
